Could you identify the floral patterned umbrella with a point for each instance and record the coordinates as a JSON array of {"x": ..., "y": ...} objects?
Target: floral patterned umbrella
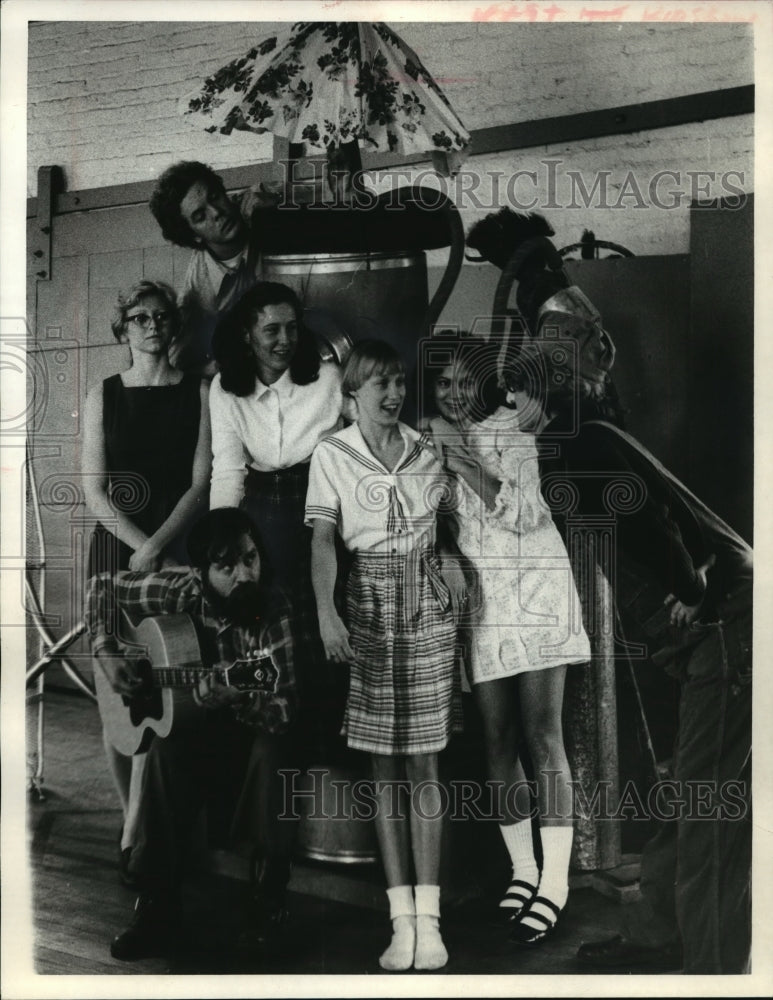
[{"x": 328, "y": 84}]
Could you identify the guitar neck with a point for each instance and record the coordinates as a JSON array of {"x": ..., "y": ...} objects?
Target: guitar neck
[
  {"x": 175, "y": 661},
  {"x": 184, "y": 675}
]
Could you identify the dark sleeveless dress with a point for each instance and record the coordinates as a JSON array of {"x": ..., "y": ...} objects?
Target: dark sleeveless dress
[{"x": 151, "y": 434}]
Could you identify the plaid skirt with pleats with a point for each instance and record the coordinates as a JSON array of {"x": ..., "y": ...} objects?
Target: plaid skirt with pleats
[{"x": 404, "y": 693}]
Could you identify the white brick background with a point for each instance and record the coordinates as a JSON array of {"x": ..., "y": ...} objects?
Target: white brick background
[{"x": 103, "y": 102}]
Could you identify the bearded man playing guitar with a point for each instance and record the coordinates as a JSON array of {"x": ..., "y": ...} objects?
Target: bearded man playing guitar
[{"x": 224, "y": 737}]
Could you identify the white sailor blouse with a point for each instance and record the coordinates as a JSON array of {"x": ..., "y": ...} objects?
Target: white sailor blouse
[{"x": 373, "y": 508}]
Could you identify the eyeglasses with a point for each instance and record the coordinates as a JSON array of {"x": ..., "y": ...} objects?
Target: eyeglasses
[{"x": 143, "y": 319}]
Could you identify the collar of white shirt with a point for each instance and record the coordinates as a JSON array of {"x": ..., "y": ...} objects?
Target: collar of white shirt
[
  {"x": 284, "y": 386},
  {"x": 217, "y": 269},
  {"x": 409, "y": 436}
]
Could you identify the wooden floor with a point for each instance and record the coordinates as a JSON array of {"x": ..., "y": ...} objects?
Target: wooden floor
[{"x": 79, "y": 904}]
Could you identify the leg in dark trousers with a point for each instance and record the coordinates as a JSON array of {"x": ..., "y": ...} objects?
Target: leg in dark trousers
[
  {"x": 202, "y": 749},
  {"x": 713, "y": 879},
  {"x": 258, "y": 818},
  {"x": 205, "y": 749},
  {"x": 264, "y": 822},
  {"x": 696, "y": 872}
]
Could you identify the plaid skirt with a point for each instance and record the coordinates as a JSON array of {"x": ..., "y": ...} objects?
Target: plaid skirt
[{"x": 404, "y": 694}]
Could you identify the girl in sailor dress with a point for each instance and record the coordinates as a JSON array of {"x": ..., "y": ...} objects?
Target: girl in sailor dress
[{"x": 378, "y": 485}]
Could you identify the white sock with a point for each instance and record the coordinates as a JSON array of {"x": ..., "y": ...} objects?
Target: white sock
[
  {"x": 399, "y": 955},
  {"x": 554, "y": 881},
  {"x": 520, "y": 846},
  {"x": 430, "y": 951}
]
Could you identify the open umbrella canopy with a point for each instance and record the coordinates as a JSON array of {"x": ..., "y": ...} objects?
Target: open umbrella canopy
[{"x": 330, "y": 83}]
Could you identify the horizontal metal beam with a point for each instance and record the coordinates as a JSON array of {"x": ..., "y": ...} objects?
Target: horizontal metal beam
[{"x": 710, "y": 104}]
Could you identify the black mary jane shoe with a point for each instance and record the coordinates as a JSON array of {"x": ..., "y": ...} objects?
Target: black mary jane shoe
[
  {"x": 521, "y": 893},
  {"x": 528, "y": 936}
]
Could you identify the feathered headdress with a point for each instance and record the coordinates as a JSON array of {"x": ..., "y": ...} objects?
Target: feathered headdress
[{"x": 519, "y": 243}]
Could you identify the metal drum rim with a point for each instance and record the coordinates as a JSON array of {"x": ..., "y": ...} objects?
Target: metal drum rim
[
  {"x": 340, "y": 858},
  {"x": 335, "y": 263}
]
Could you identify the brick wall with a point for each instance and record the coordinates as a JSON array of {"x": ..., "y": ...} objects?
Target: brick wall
[{"x": 104, "y": 104}]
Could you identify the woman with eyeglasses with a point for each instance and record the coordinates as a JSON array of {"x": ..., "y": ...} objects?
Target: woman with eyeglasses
[
  {"x": 146, "y": 454},
  {"x": 146, "y": 464}
]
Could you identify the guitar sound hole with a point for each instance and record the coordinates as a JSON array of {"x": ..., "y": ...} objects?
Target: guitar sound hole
[{"x": 148, "y": 704}]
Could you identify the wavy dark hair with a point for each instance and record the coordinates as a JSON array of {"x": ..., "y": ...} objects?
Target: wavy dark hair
[
  {"x": 171, "y": 187},
  {"x": 234, "y": 354},
  {"x": 136, "y": 294},
  {"x": 215, "y": 536},
  {"x": 479, "y": 356}
]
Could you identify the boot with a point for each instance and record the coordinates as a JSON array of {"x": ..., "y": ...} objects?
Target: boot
[
  {"x": 269, "y": 876},
  {"x": 155, "y": 928}
]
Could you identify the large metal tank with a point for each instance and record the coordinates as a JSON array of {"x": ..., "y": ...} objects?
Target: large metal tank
[
  {"x": 359, "y": 295},
  {"x": 362, "y": 272}
]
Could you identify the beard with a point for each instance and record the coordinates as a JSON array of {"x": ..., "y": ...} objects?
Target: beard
[{"x": 242, "y": 606}]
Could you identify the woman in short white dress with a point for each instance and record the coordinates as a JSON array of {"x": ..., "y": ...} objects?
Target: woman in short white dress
[
  {"x": 379, "y": 487},
  {"x": 525, "y": 619}
]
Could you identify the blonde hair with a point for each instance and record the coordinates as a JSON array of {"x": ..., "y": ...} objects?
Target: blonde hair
[
  {"x": 369, "y": 357},
  {"x": 143, "y": 290}
]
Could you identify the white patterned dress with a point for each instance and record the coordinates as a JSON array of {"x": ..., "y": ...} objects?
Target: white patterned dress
[{"x": 525, "y": 612}]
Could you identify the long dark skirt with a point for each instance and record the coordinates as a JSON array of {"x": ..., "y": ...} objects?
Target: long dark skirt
[{"x": 276, "y": 501}]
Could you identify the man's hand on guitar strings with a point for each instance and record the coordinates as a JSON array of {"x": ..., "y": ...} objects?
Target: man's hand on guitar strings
[{"x": 123, "y": 674}]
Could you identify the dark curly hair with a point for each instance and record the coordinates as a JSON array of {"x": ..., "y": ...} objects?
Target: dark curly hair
[
  {"x": 233, "y": 352},
  {"x": 216, "y": 535},
  {"x": 171, "y": 187},
  {"x": 478, "y": 355}
]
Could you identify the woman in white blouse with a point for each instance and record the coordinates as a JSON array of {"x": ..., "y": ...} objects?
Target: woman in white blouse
[{"x": 272, "y": 401}]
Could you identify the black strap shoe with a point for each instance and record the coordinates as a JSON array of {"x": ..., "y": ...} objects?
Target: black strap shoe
[
  {"x": 528, "y": 935},
  {"x": 155, "y": 929},
  {"x": 619, "y": 953}
]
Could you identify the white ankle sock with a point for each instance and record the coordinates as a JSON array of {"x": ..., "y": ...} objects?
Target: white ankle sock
[
  {"x": 430, "y": 951},
  {"x": 520, "y": 847},
  {"x": 554, "y": 880},
  {"x": 399, "y": 955},
  {"x": 427, "y": 900}
]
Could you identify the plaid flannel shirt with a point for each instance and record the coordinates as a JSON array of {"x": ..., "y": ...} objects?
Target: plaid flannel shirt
[{"x": 141, "y": 595}]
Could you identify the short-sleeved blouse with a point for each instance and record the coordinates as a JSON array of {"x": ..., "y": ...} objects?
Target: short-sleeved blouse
[
  {"x": 275, "y": 427},
  {"x": 376, "y": 509}
]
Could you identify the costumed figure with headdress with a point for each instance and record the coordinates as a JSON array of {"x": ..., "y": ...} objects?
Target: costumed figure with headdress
[{"x": 684, "y": 574}]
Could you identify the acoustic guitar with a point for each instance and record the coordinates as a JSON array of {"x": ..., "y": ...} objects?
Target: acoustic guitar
[{"x": 169, "y": 662}]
